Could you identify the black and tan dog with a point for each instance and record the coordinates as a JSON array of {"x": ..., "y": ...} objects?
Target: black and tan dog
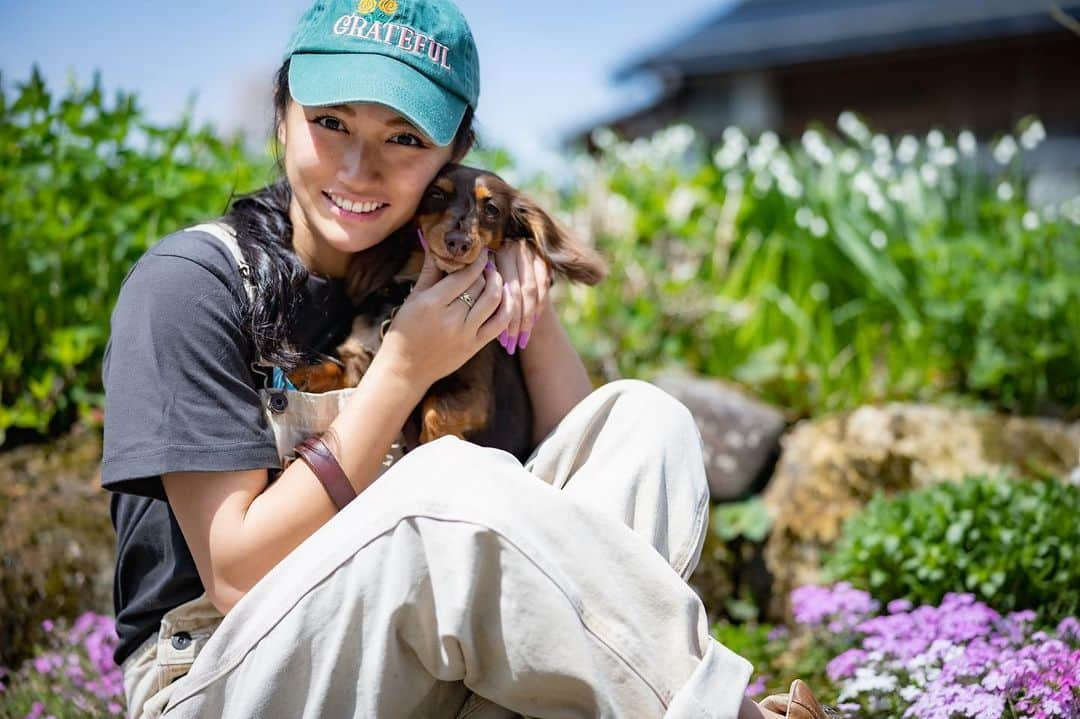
[{"x": 464, "y": 212}]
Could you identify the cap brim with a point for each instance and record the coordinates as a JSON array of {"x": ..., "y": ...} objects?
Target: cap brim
[{"x": 325, "y": 79}]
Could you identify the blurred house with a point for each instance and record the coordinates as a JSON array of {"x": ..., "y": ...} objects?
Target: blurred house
[{"x": 906, "y": 65}]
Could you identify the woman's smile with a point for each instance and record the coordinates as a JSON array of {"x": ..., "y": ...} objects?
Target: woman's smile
[{"x": 358, "y": 211}]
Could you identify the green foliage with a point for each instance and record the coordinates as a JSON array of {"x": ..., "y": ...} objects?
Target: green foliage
[
  {"x": 1013, "y": 544},
  {"x": 834, "y": 271},
  {"x": 88, "y": 185}
]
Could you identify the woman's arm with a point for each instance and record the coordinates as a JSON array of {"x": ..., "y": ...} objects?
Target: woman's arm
[
  {"x": 238, "y": 528},
  {"x": 554, "y": 373}
]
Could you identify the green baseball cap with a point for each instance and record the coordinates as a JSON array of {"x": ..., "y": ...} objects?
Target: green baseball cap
[{"x": 417, "y": 57}]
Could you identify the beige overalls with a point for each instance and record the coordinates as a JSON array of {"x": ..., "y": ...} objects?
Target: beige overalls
[{"x": 465, "y": 584}]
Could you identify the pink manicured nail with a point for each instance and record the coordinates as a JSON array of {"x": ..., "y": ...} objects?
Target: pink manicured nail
[
  {"x": 420, "y": 234},
  {"x": 523, "y": 340},
  {"x": 513, "y": 346},
  {"x": 503, "y": 339},
  {"x": 490, "y": 265}
]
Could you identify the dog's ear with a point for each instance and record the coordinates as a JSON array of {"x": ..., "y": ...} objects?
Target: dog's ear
[{"x": 566, "y": 255}]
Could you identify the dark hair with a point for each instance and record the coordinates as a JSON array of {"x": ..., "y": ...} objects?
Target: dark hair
[{"x": 264, "y": 233}]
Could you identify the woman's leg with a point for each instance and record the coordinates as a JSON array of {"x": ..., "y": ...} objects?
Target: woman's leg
[
  {"x": 633, "y": 452},
  {"x": 458, "y": 569}
]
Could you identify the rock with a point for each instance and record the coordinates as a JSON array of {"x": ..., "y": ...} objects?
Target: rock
[
  {"x": 57, "y": 545},
  {"x": 740, "y": 434},
  {"x": 831, "y": 467}
]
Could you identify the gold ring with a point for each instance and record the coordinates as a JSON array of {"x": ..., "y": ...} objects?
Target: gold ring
[{"x": 466, "y": 298}]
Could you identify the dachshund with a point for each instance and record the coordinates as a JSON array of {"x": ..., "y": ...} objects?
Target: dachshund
[{"x": 463, "y": 212}]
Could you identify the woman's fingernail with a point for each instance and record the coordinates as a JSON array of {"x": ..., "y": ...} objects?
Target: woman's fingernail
[
  {"x": 420, "y": 234},
  {"x": 523, "y": 340},
  {"x": 503, "y": 339},
  {"x": 513, "y": 346},
  {"x": 490, "y": 265}
]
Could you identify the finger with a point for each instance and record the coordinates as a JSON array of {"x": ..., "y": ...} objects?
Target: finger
[
  {"x": 450, "y": 287},
  {"x": 507, "y": 259},
  {"x": 529, "y": 292},
  {"x": 429, "y": 274},
  {"x": 491, "y": 297},
  {"x": 495, "y": 325}
]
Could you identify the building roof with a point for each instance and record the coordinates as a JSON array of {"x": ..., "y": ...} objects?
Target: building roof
[{"x": 756, "y": 34}]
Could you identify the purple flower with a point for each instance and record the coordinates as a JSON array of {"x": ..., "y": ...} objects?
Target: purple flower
[{"x": 844, "y": 665}]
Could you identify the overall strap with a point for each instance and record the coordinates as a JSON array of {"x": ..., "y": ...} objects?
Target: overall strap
[{"x": 227, "y": 235}]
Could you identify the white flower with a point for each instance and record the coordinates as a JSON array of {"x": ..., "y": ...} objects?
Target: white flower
[
  {"x": 1033, "y": 135},
  {"x": 935, "y": 139},
  {"x": 681, "y": 203},
  {"x": 864, "y": 183},
  {"x": 929, "y": 175},
  {"x": 853, "y": 127},
  {"x": 1030, "y": 221},
  {"x": 878, "y": 239},
  {"x": 769, "y": 140},
  {"x": 882, "y": 146},
  {"x": 819, "y": 227},
  {"x": 907, "y": 149},
  {"x": 604, "y": 137},
  {"x": 816, "y": 148},
  {"x": 944, "y": 157},
  {"x": 883, "y": 168},
  {"x": 733, "y": 181},
  {"x": 803, "y": 216},
  {"x": 789, "y": 186},
  {"x": 1005, "y": 150},
  {"x": 876, "y": 203},
  {"x": 967, "y": 143},
  {"x": 848, "y": 161},
  {"x": 1005, "y": 192}
]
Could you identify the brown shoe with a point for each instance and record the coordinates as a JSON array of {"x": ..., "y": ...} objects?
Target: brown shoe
[{"x": 798, "y": 703}]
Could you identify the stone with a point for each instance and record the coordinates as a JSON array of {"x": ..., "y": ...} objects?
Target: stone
[
  {"x": 740, "y": 434},
  {"x": 831, "y": 467}
]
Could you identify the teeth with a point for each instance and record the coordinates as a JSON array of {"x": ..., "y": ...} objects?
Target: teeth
[{"x": 361, "y": 207}]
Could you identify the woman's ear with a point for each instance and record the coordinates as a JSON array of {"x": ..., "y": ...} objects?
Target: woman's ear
[{"x": 566, "y": 255}]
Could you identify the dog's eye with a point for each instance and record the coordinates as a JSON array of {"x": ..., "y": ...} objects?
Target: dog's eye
[
  {"x": 436, "y": 194},
  {"x": 491, "y": 210}
]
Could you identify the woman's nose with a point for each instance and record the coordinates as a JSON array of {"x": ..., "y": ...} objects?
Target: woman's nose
[{"x": 361, "y": 162}]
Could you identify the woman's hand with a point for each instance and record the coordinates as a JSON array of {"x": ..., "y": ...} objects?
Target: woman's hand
[
  {"x": 435, "y": 332},
  {"x": 528, "y": 278}
]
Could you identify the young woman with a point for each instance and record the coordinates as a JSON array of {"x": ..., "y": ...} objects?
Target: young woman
[{"x": 458, "y": 582}]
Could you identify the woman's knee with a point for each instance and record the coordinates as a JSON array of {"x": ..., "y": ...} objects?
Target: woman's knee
[{"x": 450, "y": 474}]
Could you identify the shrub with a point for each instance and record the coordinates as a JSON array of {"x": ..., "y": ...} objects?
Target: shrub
[
  {"x": 1013, "y": 544},
  {"x": 88, "y": 185},
  {"x": 835, "y": 271}
]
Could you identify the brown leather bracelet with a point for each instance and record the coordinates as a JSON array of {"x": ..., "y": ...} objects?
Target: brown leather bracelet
[{"x": 325, "y": 466}]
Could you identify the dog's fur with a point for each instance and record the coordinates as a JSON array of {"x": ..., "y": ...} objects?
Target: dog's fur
[{"x": 464, "y": 212}]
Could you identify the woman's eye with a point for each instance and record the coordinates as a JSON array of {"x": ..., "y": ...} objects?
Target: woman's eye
[
  {"x": 414, "y": 140},
  {"x": 331, "y": 118}
]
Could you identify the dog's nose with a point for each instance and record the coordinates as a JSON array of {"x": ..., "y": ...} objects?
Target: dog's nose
[{"x": 458, "y": 243}]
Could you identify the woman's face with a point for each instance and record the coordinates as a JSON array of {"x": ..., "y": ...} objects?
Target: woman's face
[{"x": 361, "y": 153}]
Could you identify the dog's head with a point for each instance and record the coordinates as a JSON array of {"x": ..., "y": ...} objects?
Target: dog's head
[{"x": 466, "y": 211}]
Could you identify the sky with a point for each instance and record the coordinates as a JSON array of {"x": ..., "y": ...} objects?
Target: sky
[{"x": 546, "y": 70}]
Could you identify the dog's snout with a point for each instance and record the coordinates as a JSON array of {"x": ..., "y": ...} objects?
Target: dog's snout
[{"x": 458, "y": 243}]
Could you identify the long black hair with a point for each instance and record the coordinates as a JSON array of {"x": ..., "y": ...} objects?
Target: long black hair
[{"x": 264, "y": 233}]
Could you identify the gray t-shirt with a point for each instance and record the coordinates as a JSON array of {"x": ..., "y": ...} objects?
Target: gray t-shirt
[{"x": 181, "y": 395}]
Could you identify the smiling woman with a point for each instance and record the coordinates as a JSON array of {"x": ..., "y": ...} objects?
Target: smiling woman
[{"x": 452, "y": 580}]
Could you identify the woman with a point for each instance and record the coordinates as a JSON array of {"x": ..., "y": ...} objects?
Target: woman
[{"x": 460, "y": 583}]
